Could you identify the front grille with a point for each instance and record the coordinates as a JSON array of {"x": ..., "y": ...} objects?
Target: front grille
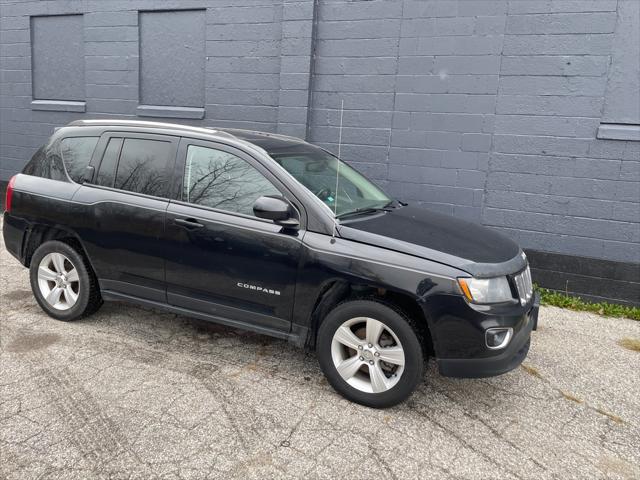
[{"x": 524, "y": 285}]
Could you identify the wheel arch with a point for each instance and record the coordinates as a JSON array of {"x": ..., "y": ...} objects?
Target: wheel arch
[
  {"x": 39, "y": 234},
  {"x": 337, "y": 291}
]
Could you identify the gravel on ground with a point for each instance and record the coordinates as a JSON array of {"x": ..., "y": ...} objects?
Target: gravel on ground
[{"x": 138, "y": 393}]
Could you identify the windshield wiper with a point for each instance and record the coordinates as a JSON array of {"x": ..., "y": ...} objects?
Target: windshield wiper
[{"x": 362, "y": 211}]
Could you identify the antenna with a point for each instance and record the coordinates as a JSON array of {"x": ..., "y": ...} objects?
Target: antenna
[{"x": 335, "y": 202}]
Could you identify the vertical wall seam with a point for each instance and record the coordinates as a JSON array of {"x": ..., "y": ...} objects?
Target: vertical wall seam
[
  {"x": 395, "y": 91},
  {"x": 610, "y": 66},
  {"x": 31, "y": 63},
  {"x": 483, "y": 201},
  {"x": 279, "y": 106},
  {"x": 312, "y": 68},
  {"x": 139, "y": 75}
]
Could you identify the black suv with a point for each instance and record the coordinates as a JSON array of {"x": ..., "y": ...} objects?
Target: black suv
[{"x": 271, "y": 234}]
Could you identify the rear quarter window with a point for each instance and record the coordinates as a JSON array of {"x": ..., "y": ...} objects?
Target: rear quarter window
[
  {"x": 47, "y": 163},
  {"x": 76, "y": 154}
]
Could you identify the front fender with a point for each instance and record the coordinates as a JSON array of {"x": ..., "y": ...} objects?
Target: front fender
[{"x": 326, "y": 259}]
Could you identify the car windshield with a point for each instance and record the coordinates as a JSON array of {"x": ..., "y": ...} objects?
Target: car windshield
[{"x": 317, "y": 171}]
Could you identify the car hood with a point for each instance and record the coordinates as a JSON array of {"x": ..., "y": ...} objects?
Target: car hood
[{"x": 468, "y": 246}]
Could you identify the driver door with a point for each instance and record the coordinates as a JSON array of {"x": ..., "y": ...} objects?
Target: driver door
[{"x": 221, "y": 259}]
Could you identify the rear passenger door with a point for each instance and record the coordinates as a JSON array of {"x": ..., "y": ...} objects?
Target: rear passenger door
[{"x": 126, "y": 204}]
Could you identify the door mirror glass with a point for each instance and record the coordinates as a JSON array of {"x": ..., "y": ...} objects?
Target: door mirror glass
[{"x": 276, "y": 209}]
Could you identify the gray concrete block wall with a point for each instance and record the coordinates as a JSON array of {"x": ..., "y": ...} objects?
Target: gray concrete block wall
[
  {"x": 252, "y": 79},
  {"x": 58, "y": 48},
  {"x": 243, "y": 64},
  {"x": 419, "y": 82},
  {"x": 484, "y": 109},
  {"x": 172, "y": 57},
  {"x": 550, "y": 183}
]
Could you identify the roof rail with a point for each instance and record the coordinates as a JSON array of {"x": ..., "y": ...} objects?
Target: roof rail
[{"x": 147, "y": 124}]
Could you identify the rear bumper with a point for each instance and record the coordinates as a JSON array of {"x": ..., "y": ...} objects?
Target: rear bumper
[
  {"x": 13, "y": 231},
  {"x": 500, "y": 363}
]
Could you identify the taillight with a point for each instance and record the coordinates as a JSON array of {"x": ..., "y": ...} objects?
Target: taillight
[{"x": 7, "y": 203}]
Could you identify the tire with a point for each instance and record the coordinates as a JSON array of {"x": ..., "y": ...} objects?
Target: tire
[
  {"x": 67, "y": 297},
  {"x": 367, "y": 321}
]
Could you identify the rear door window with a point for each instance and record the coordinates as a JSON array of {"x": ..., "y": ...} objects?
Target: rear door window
[
  {"x": 76, "y": 154},
  {"x": 143, "y": 166}
]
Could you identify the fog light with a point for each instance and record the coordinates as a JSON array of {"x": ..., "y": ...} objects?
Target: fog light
[{"x": 497, "y": 338}]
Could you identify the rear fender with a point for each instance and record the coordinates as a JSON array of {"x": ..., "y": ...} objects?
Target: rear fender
[{"x": 38, "y": 234}]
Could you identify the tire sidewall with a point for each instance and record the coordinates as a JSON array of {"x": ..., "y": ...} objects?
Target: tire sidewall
[
  {"x": 76, "y": 259},
  {"x": 414, "y": 360}
]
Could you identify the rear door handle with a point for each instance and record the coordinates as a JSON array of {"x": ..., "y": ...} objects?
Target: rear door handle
[{"x": 188, "y": 222}]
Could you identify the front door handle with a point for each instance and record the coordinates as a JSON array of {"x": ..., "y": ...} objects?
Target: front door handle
[{"x": 188, "y": 222}]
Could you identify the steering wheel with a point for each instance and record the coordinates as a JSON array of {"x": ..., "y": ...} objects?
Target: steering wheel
[{"x": 324, "y": 193}]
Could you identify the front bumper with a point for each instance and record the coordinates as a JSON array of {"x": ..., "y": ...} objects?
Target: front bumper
[{"x": 503, "y": 361}]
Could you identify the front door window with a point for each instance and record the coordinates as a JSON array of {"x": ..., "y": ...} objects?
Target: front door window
[{"x": 221, "y": 180}]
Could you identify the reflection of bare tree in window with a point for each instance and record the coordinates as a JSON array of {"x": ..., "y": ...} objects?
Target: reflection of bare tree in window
[
  {"x": 52, "y": 167},
  {"x": 46, "y": 163},
  {"x": 107, "y": 171},
  {"x": 76, "y": 153},
  {"x": 221, "y": 180},
  {"x": 141, "y": 176},
  {"x": 70, "y": 158},
  {"x": 142, "y": 167},
  {"x": 56, "y": 168}
]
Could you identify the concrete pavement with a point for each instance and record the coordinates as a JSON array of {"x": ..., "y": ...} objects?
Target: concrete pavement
[{"x": 136, "y": 393}]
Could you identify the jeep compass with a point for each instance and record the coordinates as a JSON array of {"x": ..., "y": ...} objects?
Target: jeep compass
[{"x": 271, "y": 234}]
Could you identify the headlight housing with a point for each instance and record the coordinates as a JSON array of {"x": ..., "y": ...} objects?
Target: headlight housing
[{"x": 486, "y": 290}]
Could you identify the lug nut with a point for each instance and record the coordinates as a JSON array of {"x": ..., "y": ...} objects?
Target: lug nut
[
  {"x": 359, "y": 347},
  {"x": 370, "y": 345},
  {"x": 377, "y": 354},
  {"x": 361, "y": 359},
  {"x": 370, "y": 362}
]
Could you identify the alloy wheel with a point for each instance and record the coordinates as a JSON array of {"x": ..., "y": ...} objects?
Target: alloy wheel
[
  {"x": 368, "y": 355},
  {"x": 58, "y": 281}
]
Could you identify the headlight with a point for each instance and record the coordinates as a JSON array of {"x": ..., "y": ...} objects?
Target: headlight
[{"x": 486, "y": 290}]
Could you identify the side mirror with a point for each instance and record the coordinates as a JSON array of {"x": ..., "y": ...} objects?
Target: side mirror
[
  {"x": 276, "y": 209},
  {"x": 88, "y": 174}
]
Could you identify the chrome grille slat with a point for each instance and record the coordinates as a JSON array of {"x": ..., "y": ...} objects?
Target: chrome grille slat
[{"x": 524, "y": 285}]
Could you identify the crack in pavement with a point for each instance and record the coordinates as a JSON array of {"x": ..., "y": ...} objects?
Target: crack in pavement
[{"x": 139, "y": 393}]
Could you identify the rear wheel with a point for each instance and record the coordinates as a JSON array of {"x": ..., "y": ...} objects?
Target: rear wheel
[
  {"x": 62, "y": 282},
  {"x": 370, "y": 353}
]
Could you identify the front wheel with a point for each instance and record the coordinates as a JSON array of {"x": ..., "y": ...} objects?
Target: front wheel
[{"x": 370, "y": 353}]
